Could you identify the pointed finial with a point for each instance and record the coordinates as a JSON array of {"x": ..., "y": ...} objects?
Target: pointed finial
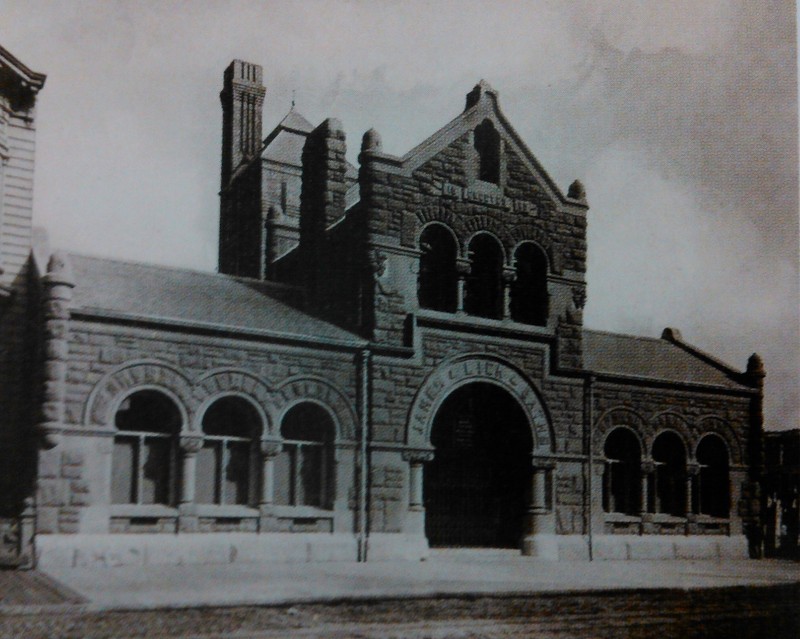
[{"x": 294, "y": 92}]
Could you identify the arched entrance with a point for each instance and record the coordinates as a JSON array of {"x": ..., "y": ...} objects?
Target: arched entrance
[{"x": 476, "y": 487}]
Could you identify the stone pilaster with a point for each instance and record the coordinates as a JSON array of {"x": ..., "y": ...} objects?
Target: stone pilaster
[{"x": 57, "y": 287}]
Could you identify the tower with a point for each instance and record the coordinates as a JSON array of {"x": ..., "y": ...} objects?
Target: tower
[{"x": 241, "y": 229}]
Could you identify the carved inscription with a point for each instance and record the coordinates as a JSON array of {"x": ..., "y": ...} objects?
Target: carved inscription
[
  {"x": 490, "y": 199},
  {"x": 452, "y": 375}
]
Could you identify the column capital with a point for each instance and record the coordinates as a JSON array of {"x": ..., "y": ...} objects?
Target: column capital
[
  {"x": 692, "y": 469},
  {"x": 418, "y": 456},
  {"x": 191, "y": 444},
  {"x": 647, "y": 467},
  {"x": 542, "y": 463},
  {"x": 463, "y": 267},
  {"x": 270, "y": 447},
  {"x": 509, "y": 275}
]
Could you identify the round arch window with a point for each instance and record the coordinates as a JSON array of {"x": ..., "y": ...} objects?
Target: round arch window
[{"x": 144, "y": 460}]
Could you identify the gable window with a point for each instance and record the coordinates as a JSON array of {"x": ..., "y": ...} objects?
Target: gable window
[
  {"x": 306, "y": 464},
  {"x": 484, "y": 286},
  {"x": 437, "y": 286},
  {"x": 712, "y": 488},
  {"x": 669, "y": 491},
  {"x": 487, "y": 144},
  {"x": 621, "y": 478},
  {"x": 529, "y": 299},
  {"x": 225, "y": 463},
  {"x": 144, "y": 459}
]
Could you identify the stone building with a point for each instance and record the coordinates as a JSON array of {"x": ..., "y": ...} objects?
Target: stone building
[{"x": 391, "y": 358}]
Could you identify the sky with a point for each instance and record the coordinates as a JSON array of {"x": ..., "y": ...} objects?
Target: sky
[{"x": 679, "y": 117}]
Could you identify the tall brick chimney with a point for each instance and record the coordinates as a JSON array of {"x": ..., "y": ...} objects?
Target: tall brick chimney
[{"x": 242, "y": 100}]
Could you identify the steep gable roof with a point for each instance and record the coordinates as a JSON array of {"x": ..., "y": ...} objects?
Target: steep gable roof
[
  {"x": 284, "y": 145},
  {"x": 481, "y": 104}
]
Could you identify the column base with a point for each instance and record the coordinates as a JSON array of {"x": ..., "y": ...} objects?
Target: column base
[
  {"x": 267, "y": 521},
  {"x": 188, "y": 521}
]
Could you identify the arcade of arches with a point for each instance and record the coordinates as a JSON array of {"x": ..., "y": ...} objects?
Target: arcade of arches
[
  {"x": 667, "y": 483},
  {"x": 153, "y": 463},
  {"x": 482, "y": 285}
]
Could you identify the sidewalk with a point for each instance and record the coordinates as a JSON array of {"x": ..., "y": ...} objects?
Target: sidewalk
[{"x": 445, "y": 573}]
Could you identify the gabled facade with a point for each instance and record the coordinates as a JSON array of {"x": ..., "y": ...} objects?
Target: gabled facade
[{"x": 392, "y": 358}]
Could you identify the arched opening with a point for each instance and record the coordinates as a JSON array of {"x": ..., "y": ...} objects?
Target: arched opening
[
  {"x": 487, "y": 144},
  {"x": 484, "y": 290},
  {"x": 529, "y": 298},
  {"x": 225, "y": 463},
  {"x": 144, "y": 466},
  {"x": 476, "y": 487},
  {"x": 305, "y": 467},
  {"x": 668, "y": 492},
  {"x": 713, "y": 483},
  {"x": 621, "y": 479},
  {"x": 437, "y": 286}
]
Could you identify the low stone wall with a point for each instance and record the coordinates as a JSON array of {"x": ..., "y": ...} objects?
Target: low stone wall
[
  {"x": 624, "y": 547},
  {"x": 106, "y": 551}
]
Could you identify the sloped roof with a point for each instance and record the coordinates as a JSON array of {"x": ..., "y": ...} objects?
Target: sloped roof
[
  {"x": 185, "y": 297},
  {"x": 284, "y": 145},
  {"x": 650, "y": 358},
  {"x": 32, "y": 79}
]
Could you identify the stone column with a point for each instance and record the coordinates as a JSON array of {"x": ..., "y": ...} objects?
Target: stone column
[
  {"x": 692, "y": 489},
  {"x": 539, "y": 520},
  {"x": 509, "y": 277},
  {"x": 269, "y": 450},
  {"x": 187, "y": 511},
  {"x": 415, "y": 519},
  {"x": 647, "y": 470},
  {"x": 463, "y": 268}
]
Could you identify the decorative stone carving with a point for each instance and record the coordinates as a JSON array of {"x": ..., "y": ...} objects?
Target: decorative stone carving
[
  {"x": 418, "y": 456},
  {"x": 579, "y": 296},
  {"x": 270, "y": 448},
  {"x": 300, "y": 389},
  {"x": 476, "y": 368},
  {"x": 105, "y": 397},
  {"x": 191, "y": 444}
]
